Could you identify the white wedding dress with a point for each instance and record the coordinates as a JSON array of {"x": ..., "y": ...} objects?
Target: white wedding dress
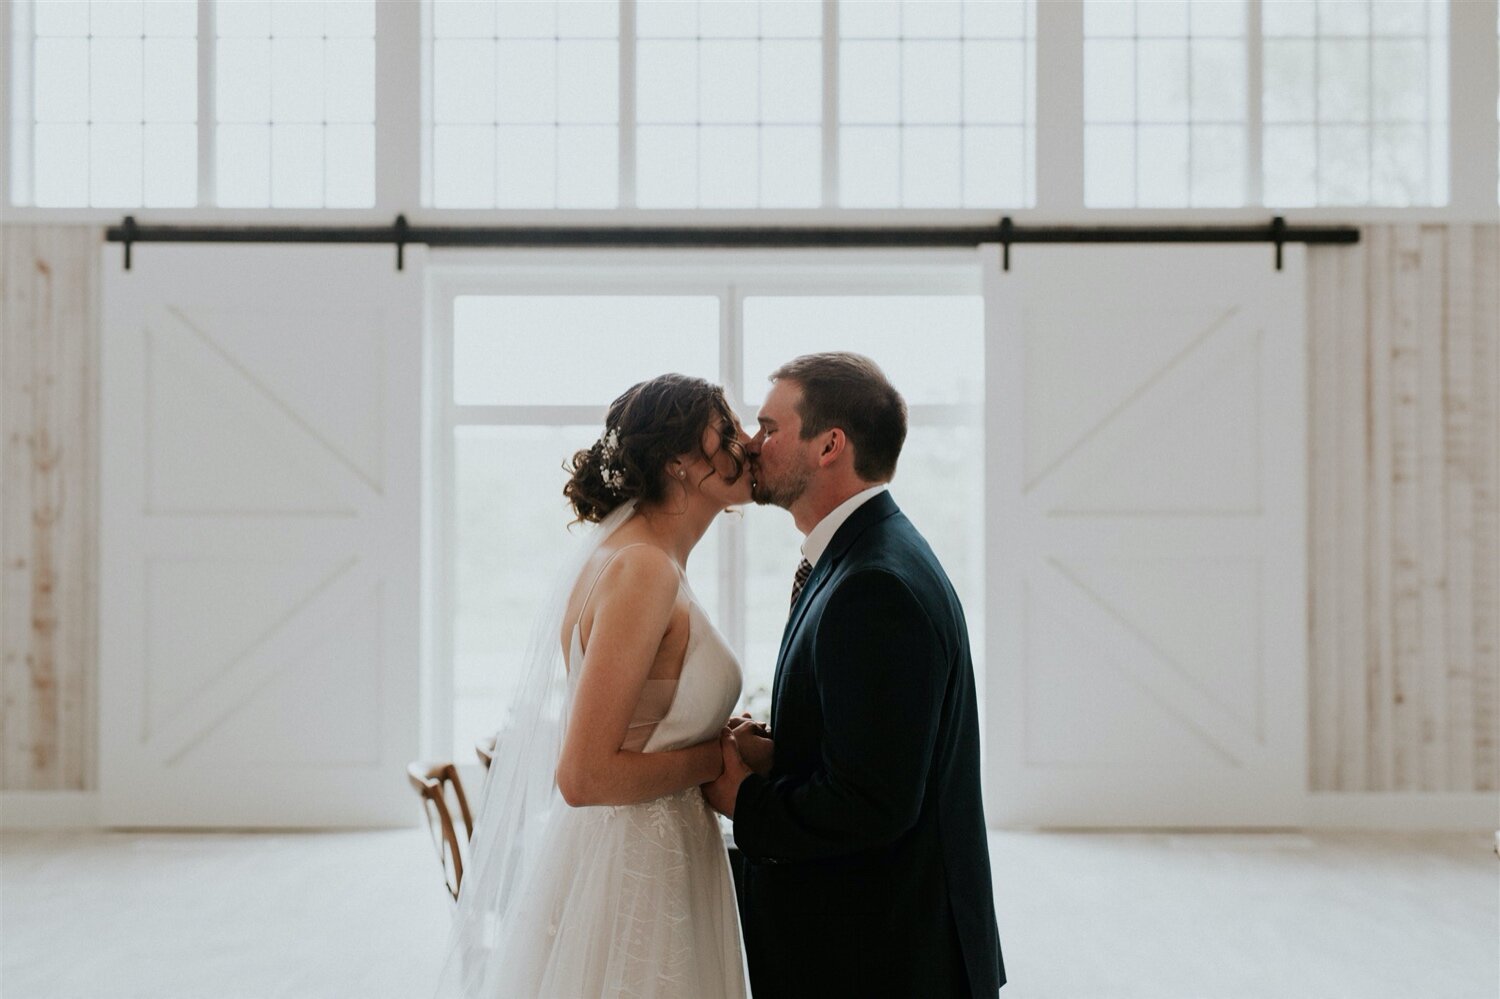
[{"x": 638, "y": 900}]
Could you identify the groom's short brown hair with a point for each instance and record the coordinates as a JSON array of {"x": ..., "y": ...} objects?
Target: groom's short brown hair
[{"x": 849, "y": 391}]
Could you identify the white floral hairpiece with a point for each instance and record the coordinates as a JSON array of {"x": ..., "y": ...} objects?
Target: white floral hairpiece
[{"x": 609, "y": 446}]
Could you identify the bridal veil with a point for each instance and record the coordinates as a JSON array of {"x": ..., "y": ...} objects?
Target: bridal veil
[{"x": 519, "y": 794}]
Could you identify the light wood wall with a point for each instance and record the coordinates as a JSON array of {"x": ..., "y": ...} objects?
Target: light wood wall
[
  {"x": 49, "y": 401},
  {"x": 1404, "y": 545}
]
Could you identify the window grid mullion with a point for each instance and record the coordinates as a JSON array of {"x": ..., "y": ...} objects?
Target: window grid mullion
[
  {"x": 1135, "y": 85},
  {"x": 732, "y": 609},
  {"x": 627, "y": 116},
  {"x": 207, "y": 118},
  {"x": 830, "y": 103},
  {"x": 1254, "y": 82}
]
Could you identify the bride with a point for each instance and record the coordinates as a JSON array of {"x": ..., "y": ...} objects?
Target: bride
[{"x": 597, "y": 868}]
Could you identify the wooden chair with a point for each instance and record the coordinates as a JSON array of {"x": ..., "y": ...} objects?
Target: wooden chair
[
  {"x": 435, "y": 782},
  {"x": 485, "y": 748}
]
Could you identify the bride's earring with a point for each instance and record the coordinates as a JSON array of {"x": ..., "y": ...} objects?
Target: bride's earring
[{"x": 682, "y": 473}]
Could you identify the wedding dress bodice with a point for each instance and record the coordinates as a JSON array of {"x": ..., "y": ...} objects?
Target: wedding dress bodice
[{"x": 677, "y": 712}]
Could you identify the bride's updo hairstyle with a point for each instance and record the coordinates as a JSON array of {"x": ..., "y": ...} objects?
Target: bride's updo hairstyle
[{"x": 647, "y": 426}]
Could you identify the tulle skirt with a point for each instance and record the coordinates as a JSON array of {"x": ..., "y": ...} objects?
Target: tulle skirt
[{"x": 628, "y": 900}]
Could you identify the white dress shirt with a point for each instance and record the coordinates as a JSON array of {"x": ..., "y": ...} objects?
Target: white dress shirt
[{"x": 816, "y": 542}]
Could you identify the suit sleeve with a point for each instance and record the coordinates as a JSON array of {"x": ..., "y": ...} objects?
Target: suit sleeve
[{"x": 881, "y": 673}]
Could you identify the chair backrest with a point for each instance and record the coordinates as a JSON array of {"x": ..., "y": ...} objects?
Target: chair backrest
[
  {"x": 434, "y": 782},
  {"x": 485, "y": 749}
]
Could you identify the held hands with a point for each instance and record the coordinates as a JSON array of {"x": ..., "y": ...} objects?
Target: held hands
[
  {"x": 753, "y": 740},
  {"x": 737, "y": 737},
  {"x": 756, "y": 749}
]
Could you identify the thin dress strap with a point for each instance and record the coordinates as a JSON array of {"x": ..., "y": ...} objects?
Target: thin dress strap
[{"x": 600, "y": 574}]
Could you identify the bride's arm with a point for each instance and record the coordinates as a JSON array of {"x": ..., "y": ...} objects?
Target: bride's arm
[{"x": 633, "y": 607}]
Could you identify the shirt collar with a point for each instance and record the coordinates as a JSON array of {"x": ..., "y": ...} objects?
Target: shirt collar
[{"x": 816, "y": 542}]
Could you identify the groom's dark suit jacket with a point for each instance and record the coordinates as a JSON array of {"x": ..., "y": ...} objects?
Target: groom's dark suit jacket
[{"x": 867, "y": 871}]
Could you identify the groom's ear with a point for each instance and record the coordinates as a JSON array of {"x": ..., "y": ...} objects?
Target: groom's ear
[{"x": 833, "y": 446}]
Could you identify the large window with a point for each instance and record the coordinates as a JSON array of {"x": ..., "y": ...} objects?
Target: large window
[
  {"x": 1356, "y": 103},
  {"x": 1166, "y": 112},
  {"x": 533, "y": 364},
  {"x": 750, "y": 105},
  {"x": 114, "y": 110},
  {"x": 525, "y": 104},
  {"x": 295, "y": 102},
  {"x": 1352, "y": 106},
  {"x": 108, "y": 107}
]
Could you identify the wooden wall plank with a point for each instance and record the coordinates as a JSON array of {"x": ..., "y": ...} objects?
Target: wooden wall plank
[
  {"x": 1406, "y": 581},
  {"x": 48, "y": 543},
  {"x": 1486, "y": 408},
  {"x": 15, "y": 509},
  {"x": 1457, "y": 672},
  {"x": 1323, "y": 568},
  {"x": 72, "y": 431},
  {"x": 1432, "y": 564},
  {"x": 1403, "y": 641},
  {"x": 1379, "y": 665},
  {"x": 1350, "y": 414}
]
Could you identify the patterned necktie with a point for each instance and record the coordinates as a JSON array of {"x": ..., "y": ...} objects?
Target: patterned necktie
[{"x": 804, "y": 569}]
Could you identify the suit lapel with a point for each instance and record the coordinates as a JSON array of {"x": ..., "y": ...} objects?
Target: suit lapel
[{"x": 871, "y": 512}]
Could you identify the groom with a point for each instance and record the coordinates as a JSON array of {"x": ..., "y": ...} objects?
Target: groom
[{"x": 867, "y": 870}]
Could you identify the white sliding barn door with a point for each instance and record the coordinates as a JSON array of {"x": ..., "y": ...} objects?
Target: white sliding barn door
[
  {"x": 261, "y": 485},
  {"x": 1147, "y": 465}
]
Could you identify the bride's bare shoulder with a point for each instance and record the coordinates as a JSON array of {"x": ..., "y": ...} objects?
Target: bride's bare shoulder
[
  {"x": 638, "y": 568},
  {"x": 638, "y": 565}
]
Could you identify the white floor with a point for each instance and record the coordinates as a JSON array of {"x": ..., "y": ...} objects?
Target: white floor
[{"x": 89, "y": 915}]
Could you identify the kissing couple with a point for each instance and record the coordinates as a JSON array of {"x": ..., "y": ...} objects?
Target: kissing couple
[{"x": 597, "y": 865}]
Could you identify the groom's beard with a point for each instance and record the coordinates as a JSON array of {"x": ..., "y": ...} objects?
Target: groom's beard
[{"x": 782, "y": 493}]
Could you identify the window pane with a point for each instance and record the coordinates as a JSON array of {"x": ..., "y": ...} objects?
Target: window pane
[
  {"x": 102, "y": 76},
  {"x": 931, "y": 165},
  {"x": 907, "y": 68},
  {"x": 932, "y": 82},
  {"x": 1369, "y": 82},
  {"x": 791, "y": 166},
  {"x": 1152, "y": 69},
  {"x": 791, "y": 82},
  {"x": 729, "y": 160},
  {"x": 463, "y": 158},
  {"x": 66, "y": 149},
  {"x": 296, "y": 166},
  {"x": 244, "y": 158},
  {"x": 347, "y": 150},
  {"x": 171, "y": 87},
  {"x": 710, "y": 77},
  {"x": 993, "y": 162},
  {"x": 870, "y": 167},
  {"x": 899, "y": 332},
  {"x": 728, "y": 84},
  {"x": 588, "y": 174},
  {"x": 527, "y": 167},
  {"x": 306, "y": 72},
  {"x": 525, "y": 75},
  {"x": 170, "y": 175},
  {"x": 62, "y": 79},
  {"x": 580, "y": 349},
  {"x": 115, "y": 160},
  {"x": 539, "y": 84},
  {"x": 1109, "y": 166},
  {"x": 667, "y": 166}
]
